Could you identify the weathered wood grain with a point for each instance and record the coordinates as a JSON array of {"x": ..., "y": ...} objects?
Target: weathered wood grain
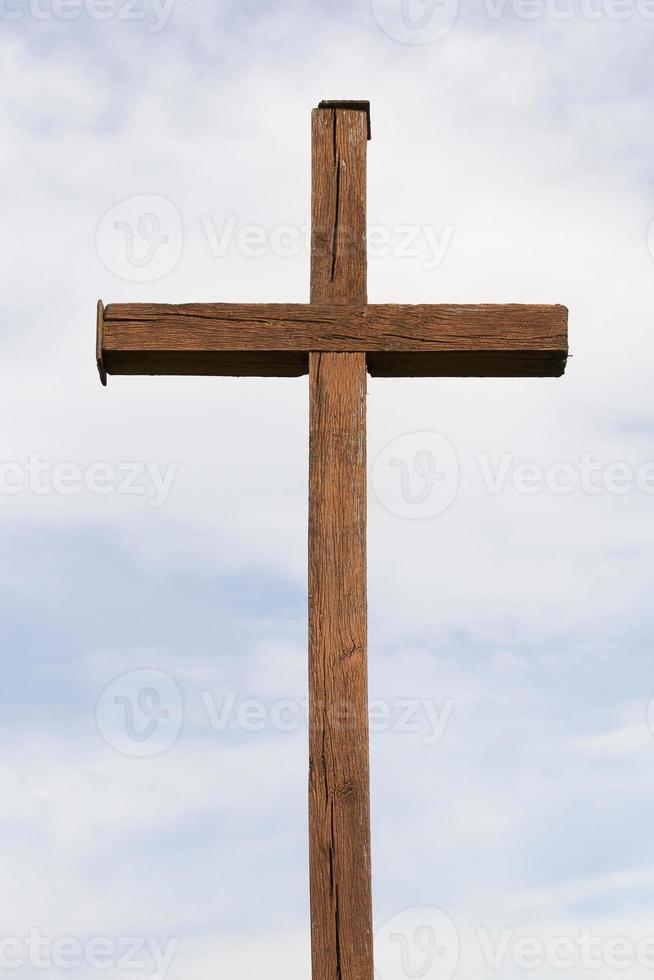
[
  {"x": 339, "y": 796},
  {"x": 363, "y": 105},
  {"x": 335, "y": 339},
  {"x": 339, "y": 258},
  {"x": 99, "y": 341},
  {"x": 399, "y": 340},
  {"x": 338, "y": 743}
]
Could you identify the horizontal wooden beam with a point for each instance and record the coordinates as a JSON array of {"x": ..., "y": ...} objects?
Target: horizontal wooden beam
[{"x": 276, "y": 339}]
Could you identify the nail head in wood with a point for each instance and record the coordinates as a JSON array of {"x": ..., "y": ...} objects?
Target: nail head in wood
[{"x": 99, "y": 344}]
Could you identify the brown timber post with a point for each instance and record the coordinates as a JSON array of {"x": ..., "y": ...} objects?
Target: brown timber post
[{"x": 339, "y": 794}]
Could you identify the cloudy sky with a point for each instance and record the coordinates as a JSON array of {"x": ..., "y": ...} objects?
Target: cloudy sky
[{"x": 153, "y": 743}]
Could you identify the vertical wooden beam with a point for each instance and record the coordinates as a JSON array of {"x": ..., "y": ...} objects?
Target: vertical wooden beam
[
  {"x": 339, "y": 262},
  {"x": 339, "y": 794}
]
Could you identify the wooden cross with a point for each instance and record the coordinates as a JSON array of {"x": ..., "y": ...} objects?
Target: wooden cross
[{"x": 336, "y": 339}]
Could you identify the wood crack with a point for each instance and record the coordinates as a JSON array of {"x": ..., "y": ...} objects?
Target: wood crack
[
  {"x": 337, "y": 219},
  {"x": 336, "y": 901}
]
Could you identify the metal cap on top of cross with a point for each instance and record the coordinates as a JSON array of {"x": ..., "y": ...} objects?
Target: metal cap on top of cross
[{"x": 337, "y": 339}]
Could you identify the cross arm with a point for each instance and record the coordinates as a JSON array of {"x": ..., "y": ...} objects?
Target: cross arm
[{"x": 265, "y": 340}]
